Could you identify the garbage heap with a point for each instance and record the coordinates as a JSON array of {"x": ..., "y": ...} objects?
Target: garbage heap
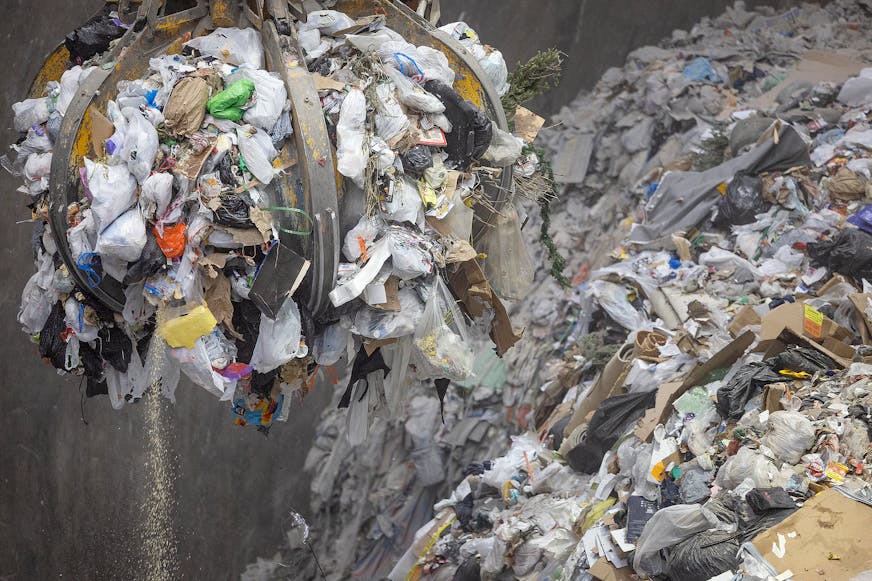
[
  {"x": 702, "y": 407},
  {"x": 182, "y": 201}
]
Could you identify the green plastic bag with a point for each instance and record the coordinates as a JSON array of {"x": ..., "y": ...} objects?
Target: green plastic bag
[{"x": 228, "y": 103}]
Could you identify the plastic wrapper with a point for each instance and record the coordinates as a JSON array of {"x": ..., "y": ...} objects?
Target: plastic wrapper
[
  {"x": 508, "y": 266},
  {"x": 237, "y": 46},
  {"x": 278, "y": 341},
  {"x": 351, "y": 150},
  {"x": 789, "y": 434},
  {"x": 742, "y": 202},
  {"x": 746, "y": 464},
  {"x": 156, "y": 194},
  {"x": 270, "y": 93},
  {"x": 140, "y": 145},
  {"x": 113, "y": 188},
  {"x": 124, "y": 238},
  {"x": 666, "y": 529},
  {"x": 413, "y": 95},
  {"x": 257, "y": 149},
  {"x": 442, "y": 338}
]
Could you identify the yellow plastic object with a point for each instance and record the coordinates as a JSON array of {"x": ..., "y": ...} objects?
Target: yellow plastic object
[
  {"x": 594, "y": 512},
  {"x": 185, "y": 330}
]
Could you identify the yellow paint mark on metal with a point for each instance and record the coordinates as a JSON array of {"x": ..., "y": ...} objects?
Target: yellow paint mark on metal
[
  {"x": 52, "y": 69},
  {"x": 222, "y": 15},
  {"x": 82, "y": 144},
  {"x": 171, "y": 24}
]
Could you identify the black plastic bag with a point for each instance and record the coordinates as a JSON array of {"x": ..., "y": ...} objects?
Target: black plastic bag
[
  {"x": 704, "y": 555},
  {"x": 801, "y": 359},
  {"x": 742, "y": 202},
  {"x": 234, "y": 211},
  {"x": 747, "y": 382},
  {"x": 416, "y": 160},
  {"x": 151, "y": 261},
  {"x": 849, "y": 253},
  {"x": 471, "y": 131},
  {"x": 115, "y": 347},
  {"x": 93, "y": 37},
  {"x": 246, "y": 321},
  {"x": 763, "y": 500},
  {"x": 51, "y": 344},
  {"x": 609, "y": 421}
]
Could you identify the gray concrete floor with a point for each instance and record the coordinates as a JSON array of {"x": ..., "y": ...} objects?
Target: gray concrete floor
[{"x": 70, "y": 492}]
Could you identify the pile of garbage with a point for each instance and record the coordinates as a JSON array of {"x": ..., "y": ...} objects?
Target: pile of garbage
[
  {"x": 700, "y": 405},
  {"x": 182, "y": 203}
]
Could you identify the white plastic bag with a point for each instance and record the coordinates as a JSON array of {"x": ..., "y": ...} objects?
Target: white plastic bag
[
  {"x": 746, "y": 464},
  {"x": 70, "y": 81},
  {"x": 37, "y": 171},
  {"x": 36, "y": 305},
  {"x": 789, "y": 434},
  {"x": 74, "y": 317},
  {"x": 442, "y": 338},
  {"x": 327, "y": 21},
  {"x": 196, "y": 366},
  {"x": 413, "y": 95},
  {"x": 140, "y": 144},
  {"x": 331, "y": 344},
  {"x": 367, "y": 229},
  {"x": 390, "y": 120},
  {"x": 113, "y": 188},
  {"x": 258, "y": 152},
  {"x": 270, "y": 95},
  {"x": 157, "y": 191},
  {"x": 351, "y": 150},
  {"x": 504, "y": 150},
  {"x": 83, "y": 236},
  {"x": 279, "y": 340},
  {"x": 124, "y": 238},
  {"x": 612, "y": 298},
  {"x": 30, "y": 112},
  {"x": 405, "y": 205},
  {"x": 237, "y": 46}
]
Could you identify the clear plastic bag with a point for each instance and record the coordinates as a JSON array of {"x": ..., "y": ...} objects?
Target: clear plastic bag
[
  {"x": 410, "y": 254},
  {"x": 442, "y": 337},
  {"x": 390, "y": 120},
  {"x": 279, "y": 340},
  {"x": 271, "y": 96},
  {"x": 36, "y": 305},
  {"x": 413, "y": 95},
  {"x": 746, "y": 464},
  {"x": 124, "y": 238},
  {"x": 378, "y": 324},
  {"x": 197, "y": 367},
  {"x": 83, "y": 236},
  {"x": 156, "y": 193},
  {"x": 331, "y": 344},
  {"x": 351, "y": 150},
  {"x": 113, "y": 188},
  {"x": 508, "y": 266},
  {"x": 237, "y": 46},
  {"x": 140, "y": 144},
  {"x": 504, "y": 150},
  {"x": 668, "y": 527},
  {"x": 397, "y": 356},
  {"x": 258, "y": 152},
  {"x": 367, "y": 229},
  {"x": 789, "y": 434}
]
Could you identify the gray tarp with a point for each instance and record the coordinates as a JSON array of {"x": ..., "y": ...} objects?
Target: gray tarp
[{"x": 684, "y": 199}]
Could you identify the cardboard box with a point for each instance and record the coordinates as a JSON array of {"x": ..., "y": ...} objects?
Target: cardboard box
[
  {"x": 864, "y": 325},
  {"x": 605, "y": 571},
  {"x": 827, "y": 523},
  {"x": 667, "y": 393},
  {"x": 772, "y": 395},
  {"x": 743, "y": 317},
  {"x": 800, "y": 324}
]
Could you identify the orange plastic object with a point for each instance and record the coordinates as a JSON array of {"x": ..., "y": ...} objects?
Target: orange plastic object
[{"x": 172, "y": 243}]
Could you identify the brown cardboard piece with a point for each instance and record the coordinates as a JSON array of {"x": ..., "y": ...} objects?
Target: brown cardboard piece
[
  {"x": 527, "y": 124},
  {"x": 472, "y": 289},
  {"x": 791, "y": 323},
  {"x": 101, "y": 130},
  {"x": 605, "y": 571},
  {"x": 743, "y": 317},
  {"x": 772, "y": 395},
  {"x": 860, "y": 300},
  {"x": 327, "y": 83},
  {"x": 370, "y": 345},
  {"x": 392, "y": 290},
  {"x": 667, "y": 393},
  {"x": 827, "y": 523},
  {"x": 611, "y": 378}
]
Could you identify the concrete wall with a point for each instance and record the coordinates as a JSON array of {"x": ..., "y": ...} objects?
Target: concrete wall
[{"x": 71, "y": 492}]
